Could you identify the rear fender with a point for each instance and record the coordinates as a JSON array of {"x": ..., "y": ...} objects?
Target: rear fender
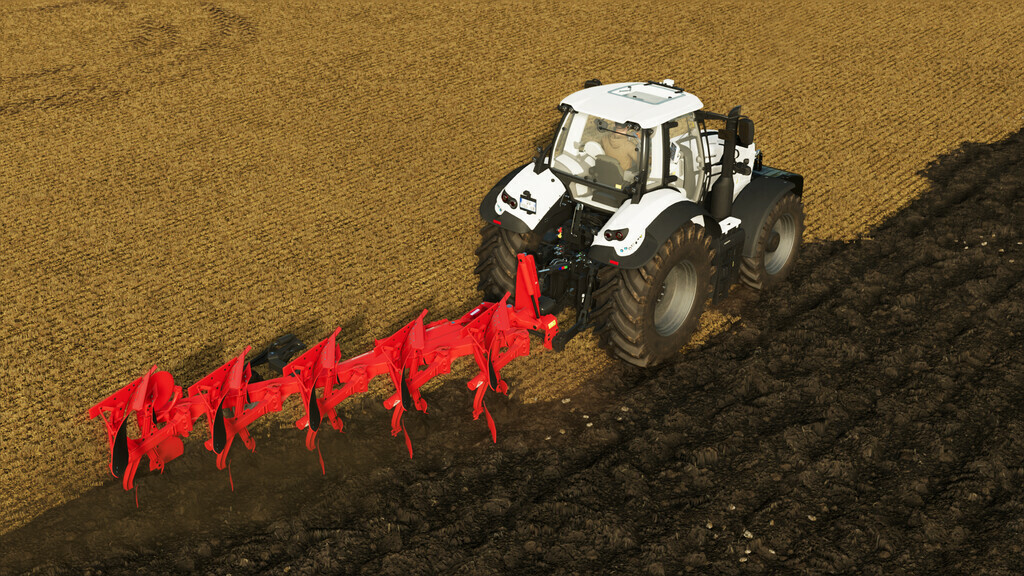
[
  {"x": 523, "y": 184},
  {"x": 754, "y": 203},
  {"x": 650, "y": 223}
]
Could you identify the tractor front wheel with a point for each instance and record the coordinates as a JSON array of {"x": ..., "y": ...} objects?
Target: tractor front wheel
[{"x": 646, "y": 315}]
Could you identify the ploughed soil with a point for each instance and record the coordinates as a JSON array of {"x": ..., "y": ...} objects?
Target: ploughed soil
[{"x": 865, "y": 417}]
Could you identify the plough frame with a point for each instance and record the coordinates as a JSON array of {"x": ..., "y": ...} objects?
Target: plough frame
[{"x": 231, "y": 399}]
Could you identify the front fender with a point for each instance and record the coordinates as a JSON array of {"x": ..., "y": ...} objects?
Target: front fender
[
  {"x": 545, "y": 189},
  {"x": 650, "y": 224},
  {"x": 754, "y": 203}
]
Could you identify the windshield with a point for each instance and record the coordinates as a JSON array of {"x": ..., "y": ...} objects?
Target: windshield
[{"x": 597, "y": 150}]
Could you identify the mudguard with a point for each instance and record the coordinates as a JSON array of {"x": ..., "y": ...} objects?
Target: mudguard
[
  {"x": 753, "y": 204},
  {"x": 644, "y": 240},
  {"x": 534, "y": 199},
  {"x": 796, "y": 179}
]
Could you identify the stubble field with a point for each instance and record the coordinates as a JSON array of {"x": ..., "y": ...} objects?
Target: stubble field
[{"x": 181, "y": 179}]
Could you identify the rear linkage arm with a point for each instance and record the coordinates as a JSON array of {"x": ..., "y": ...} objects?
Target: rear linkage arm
[
  {"x": 584, "y": 305},
  {"x": 581, "y": 268}
]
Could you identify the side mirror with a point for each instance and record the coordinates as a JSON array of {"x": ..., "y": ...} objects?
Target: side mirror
[{"x": 745, "y": 132}]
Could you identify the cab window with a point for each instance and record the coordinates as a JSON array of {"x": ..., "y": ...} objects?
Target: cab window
[{"x": 686, "y": 157}]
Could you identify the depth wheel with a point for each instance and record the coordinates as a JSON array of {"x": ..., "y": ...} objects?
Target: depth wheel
[
  {"x": 645, "y": 316},
  {"x": 496, "y": 259},
  {"x": 778, "y": 245}
]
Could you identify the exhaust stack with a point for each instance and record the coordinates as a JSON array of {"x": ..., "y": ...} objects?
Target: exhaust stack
[{"x": 722, "y": 189}]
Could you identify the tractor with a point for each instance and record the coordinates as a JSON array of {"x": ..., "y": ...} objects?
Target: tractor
[{"x": 637, "y": 213}]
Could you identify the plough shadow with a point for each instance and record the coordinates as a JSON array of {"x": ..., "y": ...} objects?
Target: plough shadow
[
  {"x": 357, "y": 333},
  {"x": 193, "y": 501}
]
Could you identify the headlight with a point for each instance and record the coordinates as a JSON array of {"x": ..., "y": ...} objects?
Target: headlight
[
  {"x": 610, "y": 235},
  {"x": 508, "y": 199}
]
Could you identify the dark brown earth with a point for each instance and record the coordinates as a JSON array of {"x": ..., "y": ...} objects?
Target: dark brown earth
[{"x": 866, "y": 417}]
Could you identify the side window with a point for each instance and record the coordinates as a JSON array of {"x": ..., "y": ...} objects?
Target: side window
[
  {"x": 686, "y": 156},
  {"x": 656, "y": 160}
]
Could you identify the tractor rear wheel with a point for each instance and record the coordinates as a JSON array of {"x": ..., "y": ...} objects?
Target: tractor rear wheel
[
  {"x": 777, "y": 245},
  {"x": 645, "y": 316},
  {"x": 496, "y": 259}
]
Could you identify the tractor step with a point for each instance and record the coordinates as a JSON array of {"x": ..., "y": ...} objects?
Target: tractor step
[{"x": 727, "y": 262}]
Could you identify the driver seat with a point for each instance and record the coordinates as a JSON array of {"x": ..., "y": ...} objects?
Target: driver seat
[
  {"x": 593, "y": 149},
  {"x": 622, "y": 149},
  {"x": 607, "y": 170}
]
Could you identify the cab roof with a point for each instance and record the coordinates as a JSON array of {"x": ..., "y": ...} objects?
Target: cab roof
[{"x": 649, "y": 104}]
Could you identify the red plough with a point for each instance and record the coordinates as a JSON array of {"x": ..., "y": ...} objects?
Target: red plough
[{"x": 232, "y": 397}]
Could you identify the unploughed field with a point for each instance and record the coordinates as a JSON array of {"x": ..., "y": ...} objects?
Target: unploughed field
[{"x": 182, "y": 179}]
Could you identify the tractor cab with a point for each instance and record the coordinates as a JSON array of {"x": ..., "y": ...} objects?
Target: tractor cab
[
  {"x": 637, "y": 212},
  {"x": 600, "y": 160},
  {"x": 619, "y": 141}
]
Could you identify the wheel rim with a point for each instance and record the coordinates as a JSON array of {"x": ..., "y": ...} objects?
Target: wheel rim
[
  {"x": 676, "y": 299},
  {"x": 776, "y": 259}
]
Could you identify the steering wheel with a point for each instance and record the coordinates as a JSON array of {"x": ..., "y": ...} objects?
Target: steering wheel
[{"x": 570, "y": 165}]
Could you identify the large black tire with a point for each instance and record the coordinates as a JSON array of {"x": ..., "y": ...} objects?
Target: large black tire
[
  {"x": 497, "y": 262},
  {"x": 645, "y": 316},
  {"x": 778, "y": 245}
]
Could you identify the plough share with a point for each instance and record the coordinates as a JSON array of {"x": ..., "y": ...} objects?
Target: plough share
[{"x": 232, "y": 397}]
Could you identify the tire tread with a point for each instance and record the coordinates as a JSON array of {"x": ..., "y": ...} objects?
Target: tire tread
[{"x": 621, "y": 300}]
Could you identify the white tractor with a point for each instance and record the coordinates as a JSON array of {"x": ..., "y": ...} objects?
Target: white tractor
[{"x": 637, "y": 213}]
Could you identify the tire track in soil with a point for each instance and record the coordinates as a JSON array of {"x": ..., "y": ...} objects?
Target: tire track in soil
[{"x": 864, "y": 417}]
